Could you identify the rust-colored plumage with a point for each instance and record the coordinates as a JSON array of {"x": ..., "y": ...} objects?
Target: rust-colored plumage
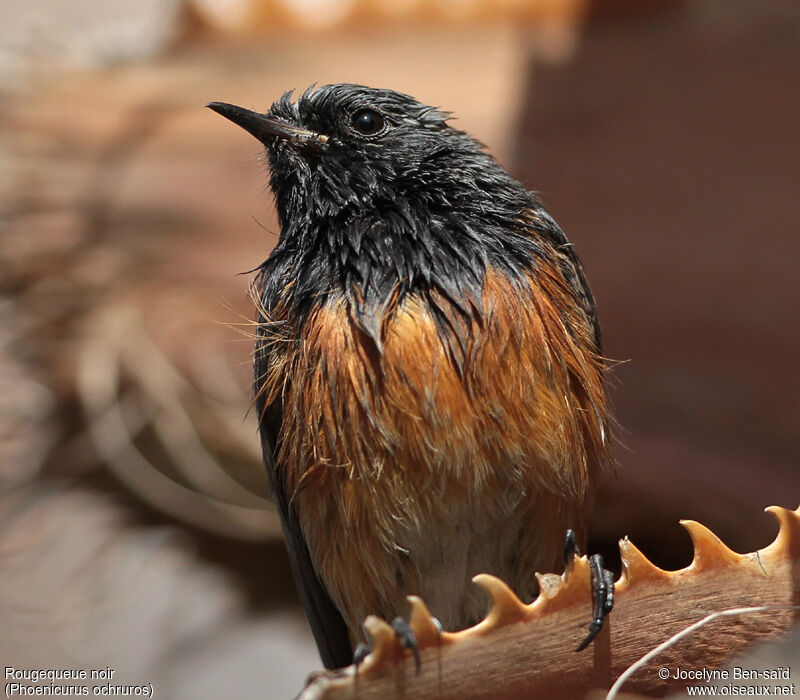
[{"x": 385, "y": 452}]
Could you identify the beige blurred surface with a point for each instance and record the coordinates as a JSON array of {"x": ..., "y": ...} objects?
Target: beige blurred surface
[{"x": 83, "y": 585}]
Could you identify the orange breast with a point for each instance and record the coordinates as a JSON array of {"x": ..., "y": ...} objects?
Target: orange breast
[{"x": 383, "y": 450}]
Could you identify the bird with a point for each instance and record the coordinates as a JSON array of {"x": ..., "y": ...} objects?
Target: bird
[{"x": 429, "y": 380}]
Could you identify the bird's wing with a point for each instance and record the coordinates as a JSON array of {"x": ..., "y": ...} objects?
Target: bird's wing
[
  {"x": 327, "y": 624},
  {"x": 573, "y": 272}
]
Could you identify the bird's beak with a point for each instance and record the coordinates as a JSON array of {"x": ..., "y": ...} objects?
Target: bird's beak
[{"x": 265, "y": 128}]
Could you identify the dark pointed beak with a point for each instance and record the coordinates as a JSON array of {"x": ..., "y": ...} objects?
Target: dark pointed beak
[{"x": 263, "y": 127}]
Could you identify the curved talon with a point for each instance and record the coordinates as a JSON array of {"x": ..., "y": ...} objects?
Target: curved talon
[
  {"x": 407, "y": 638},
  {"x": 570, "y": 546},
  {"x": 594, "y": 629},
  {"x": 361, "y": 653},
  {"x": 602, "y": 595}
]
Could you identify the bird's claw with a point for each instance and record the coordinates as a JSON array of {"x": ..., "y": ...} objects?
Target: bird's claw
[
  {"x": 404, "y": 634},
  {"x": 570, "y": 547},
  {"x": 407, "y": 638},
  {"x": 362, "y": 652},
  {"x": 602, "y": 587},
  {"x": 602, "y": 595}
]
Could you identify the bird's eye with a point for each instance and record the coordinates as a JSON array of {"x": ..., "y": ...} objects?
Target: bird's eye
[{"x": 368, "y": 122}]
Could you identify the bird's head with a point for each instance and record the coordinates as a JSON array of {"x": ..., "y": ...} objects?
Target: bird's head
[{"x": 342, "y": 147}]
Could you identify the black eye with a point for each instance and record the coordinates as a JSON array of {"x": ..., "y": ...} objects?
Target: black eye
[{"x": 367, "y": 122}]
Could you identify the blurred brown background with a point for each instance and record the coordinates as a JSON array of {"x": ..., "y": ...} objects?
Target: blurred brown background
[{"x": 134, "y": 530}]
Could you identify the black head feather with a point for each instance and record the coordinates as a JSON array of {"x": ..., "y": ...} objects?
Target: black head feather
[{"x": 379, "y": 196}]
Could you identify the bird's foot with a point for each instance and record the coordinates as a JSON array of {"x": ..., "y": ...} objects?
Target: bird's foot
[
  {"x": 407, "y": 638},
  {"x": 362, "y": 652},
  {"x": 602, "y": 588},
  {"x": 570, "y": 547},
  {"x": 404, "y": 634}
]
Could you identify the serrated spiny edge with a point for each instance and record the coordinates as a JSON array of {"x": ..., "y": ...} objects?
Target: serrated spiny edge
[
  {"x": 504, "y": 607},
  {"x": 709, "y": 550},
  {"x": 421, "y": 621},
  {"x": 786, "y": 545},
  {"x": 636, "y": 567},
  {"x": 573, "y": 586},
  {"x": 556, "y": 592},
  {"x": 383, "y": 643}
]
